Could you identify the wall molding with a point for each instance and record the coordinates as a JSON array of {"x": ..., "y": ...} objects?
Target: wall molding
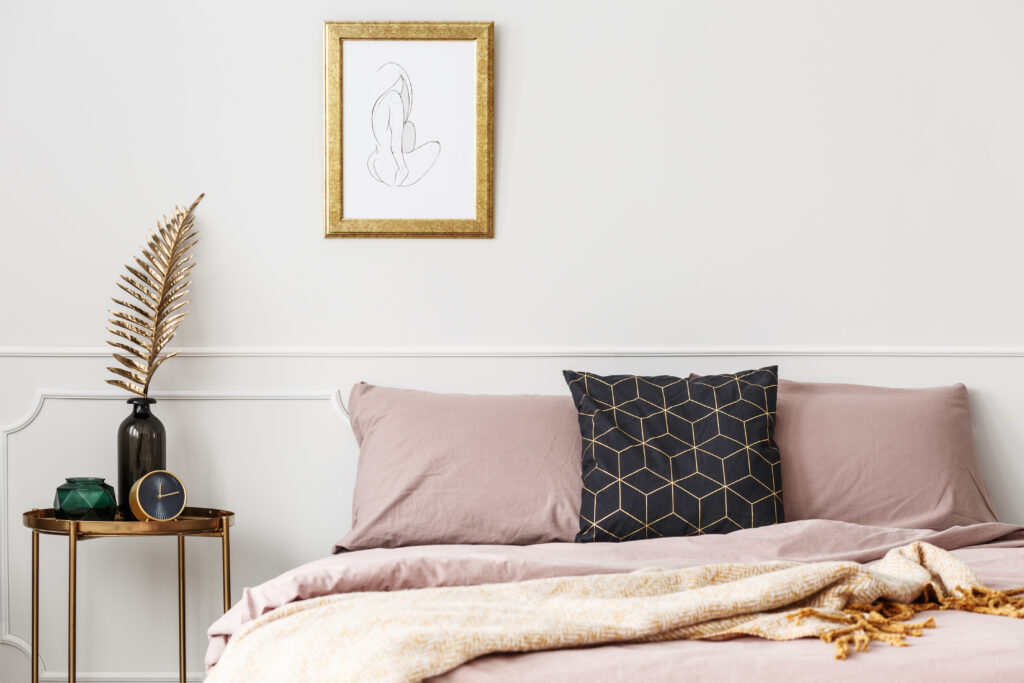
[
  {"x": 333, "y": 396},
  {"x": 532, "y": 351},
  {"x": 7, "y": 637}
]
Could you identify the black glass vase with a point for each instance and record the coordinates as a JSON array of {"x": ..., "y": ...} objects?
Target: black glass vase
[{"x": 141, "y": 448}]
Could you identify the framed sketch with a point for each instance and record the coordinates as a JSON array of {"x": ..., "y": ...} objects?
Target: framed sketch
[{"x": 408, "y": 123}]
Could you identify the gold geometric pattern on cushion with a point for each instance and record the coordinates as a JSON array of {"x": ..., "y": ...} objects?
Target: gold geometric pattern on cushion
[{"x": 665, "y": 456}]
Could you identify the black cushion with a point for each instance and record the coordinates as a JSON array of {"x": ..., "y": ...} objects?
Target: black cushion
[{"x": 666, "y": 456}]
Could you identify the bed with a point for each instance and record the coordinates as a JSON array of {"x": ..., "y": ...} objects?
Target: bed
[{"x": 428, "y": 512}]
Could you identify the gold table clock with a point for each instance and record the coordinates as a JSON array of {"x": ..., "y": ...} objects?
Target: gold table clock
[{"x": 157, "y": 496}]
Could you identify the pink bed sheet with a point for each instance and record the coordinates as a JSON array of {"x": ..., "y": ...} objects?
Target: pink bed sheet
[{"x": 965, "y": 646}]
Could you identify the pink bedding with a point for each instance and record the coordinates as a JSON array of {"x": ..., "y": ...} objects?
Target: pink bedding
[{"x": 965, "y": 646}]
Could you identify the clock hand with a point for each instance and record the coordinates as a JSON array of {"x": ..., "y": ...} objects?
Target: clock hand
[
  {"x": 167, "y": 495},
  {"x": 160, "y": 490}
]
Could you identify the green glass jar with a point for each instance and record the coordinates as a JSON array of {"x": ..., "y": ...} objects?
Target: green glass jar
[{"x": 85, "y": 498}]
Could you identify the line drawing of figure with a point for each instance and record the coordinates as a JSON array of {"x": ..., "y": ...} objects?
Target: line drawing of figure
[{"x": 396, "y": 161}]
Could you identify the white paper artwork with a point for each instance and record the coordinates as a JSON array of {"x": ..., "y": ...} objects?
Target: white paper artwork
[
  {"x": 396, "y": 160},
  {"x": 403, "y": 103}
]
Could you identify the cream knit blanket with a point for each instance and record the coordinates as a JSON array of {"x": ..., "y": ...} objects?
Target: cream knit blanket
[{"x": 414, "y": 634}]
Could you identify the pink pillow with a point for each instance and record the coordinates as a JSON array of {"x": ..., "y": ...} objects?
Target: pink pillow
[
  {"x": 883, "y": 457},
  {"x": 452, "y": 468}
]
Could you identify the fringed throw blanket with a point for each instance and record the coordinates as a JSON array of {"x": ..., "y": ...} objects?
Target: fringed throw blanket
[{"x": 414, "y": 634}]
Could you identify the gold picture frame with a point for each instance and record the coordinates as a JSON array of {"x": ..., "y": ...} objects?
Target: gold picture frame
[{"x": 336, "y": 223}]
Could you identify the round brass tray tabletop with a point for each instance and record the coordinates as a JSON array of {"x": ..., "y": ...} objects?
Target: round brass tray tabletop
[{"x": 191, "y": 521}]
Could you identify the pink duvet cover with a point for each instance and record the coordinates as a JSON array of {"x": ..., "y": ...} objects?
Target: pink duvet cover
[{"x": 963, "y": 647}]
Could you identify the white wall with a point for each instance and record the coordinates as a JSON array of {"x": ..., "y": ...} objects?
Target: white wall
[{"x": 720, "y": 184}]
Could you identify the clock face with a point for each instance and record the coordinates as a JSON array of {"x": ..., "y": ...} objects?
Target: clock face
[{"x": 160, "y": 495}]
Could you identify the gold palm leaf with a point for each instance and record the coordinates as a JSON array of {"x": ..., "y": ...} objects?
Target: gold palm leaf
[{"x": 157, "y": 285}]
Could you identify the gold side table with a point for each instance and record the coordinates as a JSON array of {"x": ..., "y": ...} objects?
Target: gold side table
[{"x": 192, "y": 522}]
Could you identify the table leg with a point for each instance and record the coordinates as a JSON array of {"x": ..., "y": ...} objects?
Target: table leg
[
  {"x": 181, "y": 608},
  {"x": 35, "y": 607},
  {"x": 226, "y": 552},
  {"x": 72, "y": 563}
]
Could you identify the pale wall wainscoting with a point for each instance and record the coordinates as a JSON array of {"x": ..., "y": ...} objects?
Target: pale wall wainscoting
[{"x": 262, "y": 432}]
